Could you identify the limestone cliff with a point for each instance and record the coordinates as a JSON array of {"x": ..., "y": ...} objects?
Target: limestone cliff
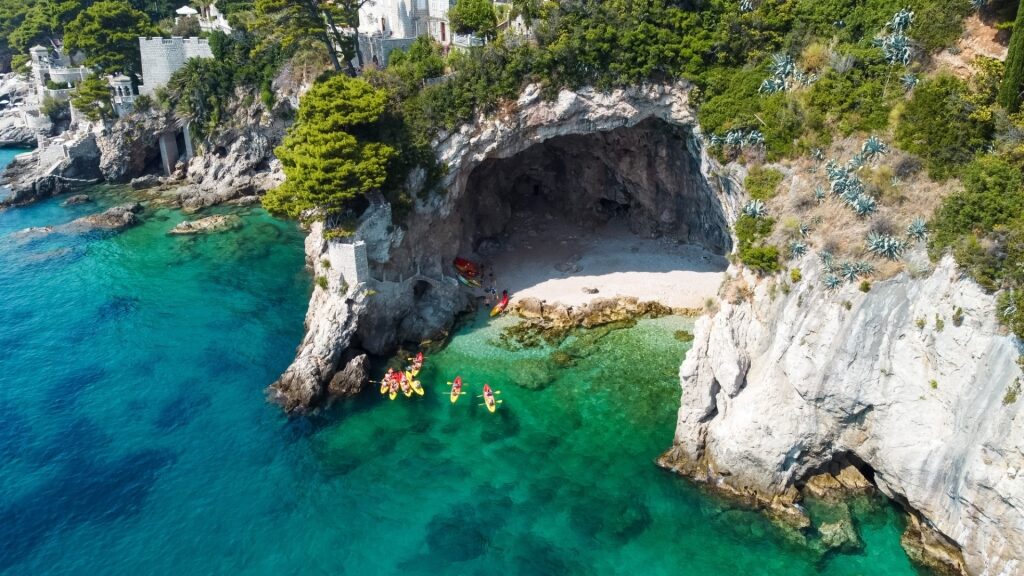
[{"x": 909, "y": 378}]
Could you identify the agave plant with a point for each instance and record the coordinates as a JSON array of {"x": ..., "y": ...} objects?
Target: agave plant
[
  {"x": 918, "y": 229},
  {"x": 831, "y": 281},
  {"x": 886, "y": 246},
  {"x": 848, "y": 271},
  {"x": 755, "y": 209},
  {"x": 819, "y": 194},
  {"x": 755, "y": 138},
  {"x": 864, "y": 268},
  {"x": 979, "y": 5},
  {"x": 805, "y": 230},
  {"x": 817, "y": 154},
  {"x": 734, "y": 138},
  {"x": 772, "y": 85},
  {"x": 1010, "y": 309},
  {"x": 827, "y": 260},
  {"x": 833, "y": 171},
  {"x": 855, "y": 163},
  {"x": 783, "y": 65},
  {"x": 896, "y": 48},
  {"x": 909, "y": 81},
  {"x": 864, "y": 205},
  {"x": 746, "y": 6},
  {"x": 872, "y": 148},
  {"x": 797, "y": 248},
  {"x": 901, "y": 21}
]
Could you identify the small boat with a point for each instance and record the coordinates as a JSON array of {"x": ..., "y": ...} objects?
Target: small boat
[
  {"x": 456, "y": 389},
  {"x": 393, "y": 389},
  {"x": 414, "y": 383},
  {"x": 467, "y": 268},
  {"x": 500, "y": 306},
  {"x": 489, "y": 398},
  {"x": 404, "y": 383}
]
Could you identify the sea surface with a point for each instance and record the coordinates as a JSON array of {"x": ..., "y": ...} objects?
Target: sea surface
[{"x": 135, "y": 438}]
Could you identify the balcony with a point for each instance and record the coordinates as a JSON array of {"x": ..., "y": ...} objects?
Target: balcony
[{"x": 467, "y": 41}]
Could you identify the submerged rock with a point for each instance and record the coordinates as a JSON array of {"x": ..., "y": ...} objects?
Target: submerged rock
[
  {"x": 208, "y": 225},
  {"x": 76, "y": 199}
]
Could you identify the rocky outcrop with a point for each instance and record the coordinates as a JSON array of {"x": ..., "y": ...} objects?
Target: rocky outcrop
[
  {"x": 351, "y": 379},
  {"x": 208, "y": 225},
  {"x": 130, "y": 147},
  {"x": 116, "y": 219},
  {"x": 60, "y": 166},
  {"x": 330, "y": 326},
  {"x": 778, "y": 387},
  {"x": 76, "y": 200}
]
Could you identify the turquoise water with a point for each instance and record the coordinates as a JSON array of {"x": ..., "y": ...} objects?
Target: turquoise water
[{"x": 135, "y": 438}]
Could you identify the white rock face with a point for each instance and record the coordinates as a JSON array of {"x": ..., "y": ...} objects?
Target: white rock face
[
  {"x": 330, "y": 324},
  {"x": 776, "y": 388}
]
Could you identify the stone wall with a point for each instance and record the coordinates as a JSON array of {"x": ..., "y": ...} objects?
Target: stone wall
[
  {"x": 350, "y": 262},
  {"x": 161, "y": 57}
]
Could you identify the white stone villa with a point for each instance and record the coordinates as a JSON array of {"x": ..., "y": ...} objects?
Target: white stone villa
[
  {"x": 210, "y": 18},
  {"x": 385, "y": 25}
]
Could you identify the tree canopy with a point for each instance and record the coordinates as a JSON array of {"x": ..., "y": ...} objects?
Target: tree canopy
[
  {"x": 108, "y": 33},
  {"x": 473, "y": 16},
  {"x": 92, "y": 99},
  {"x": 331, "y": 156}
]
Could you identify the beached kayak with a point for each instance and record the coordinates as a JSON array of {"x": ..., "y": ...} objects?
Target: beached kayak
[
  {"x": 467, "y": 268},
  {"x": 456, "y": 389},
  {"x": 500, "y": 306},
  {"x": 489, "y": 398}
]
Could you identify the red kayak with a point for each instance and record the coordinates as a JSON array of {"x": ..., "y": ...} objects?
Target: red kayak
[{"x": 468, "y": 269}]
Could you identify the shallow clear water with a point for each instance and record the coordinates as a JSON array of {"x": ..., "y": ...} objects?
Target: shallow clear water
[{"x": 135, "y": 439}]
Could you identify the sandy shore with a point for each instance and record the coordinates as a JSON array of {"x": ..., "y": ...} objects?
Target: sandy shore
[{"x": 558, "y": 262}]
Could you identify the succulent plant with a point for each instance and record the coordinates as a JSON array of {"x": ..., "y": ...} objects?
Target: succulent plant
[
  {"x": 772, "y": 85},
  {"x": 817, "y": 154},
  {"x": 831, "y": 281},
  {"x": 746, "y": 6},
  {"x": 864, "y": 268},
  {"x": 827, "y": 260},
  {"x": 909, "y": 81},
  {"x": 755, "y": 138},
  {"x": 804, "y": 229},
  {"x": 901, "y": 21},
  {"x": 848, "y": 271},
  {"x": 819, "y": 194},
  {"x": 755, "y": 209},
  {"x": 918, "y": 229},
  {"x": 872, "y": 148},
  {"x": 886, "y": 246},
  {"x": 864, "y": 205},
  {"x": 797, "y": 248}
]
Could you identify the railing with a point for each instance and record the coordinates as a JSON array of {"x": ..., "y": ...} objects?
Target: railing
[
  {"x": 70, "y": 74},
  {"x": 467, "y": 41}
]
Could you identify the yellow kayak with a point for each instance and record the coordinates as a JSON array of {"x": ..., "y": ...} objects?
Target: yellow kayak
[{"x": 413, "y": 383}]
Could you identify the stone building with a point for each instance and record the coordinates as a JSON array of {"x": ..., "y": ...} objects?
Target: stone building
[
  {"x": 161, "y": 57},
  {"x": 385, "y": 25}
]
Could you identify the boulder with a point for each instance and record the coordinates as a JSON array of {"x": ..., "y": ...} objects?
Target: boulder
[
  {"x": 208, "y": 225},
  {"x": 351, "y": 379},
  {"x": 76, "y": 199},
  {"x": 116, "y": 218},
  {"x": 146, "y": 181}
]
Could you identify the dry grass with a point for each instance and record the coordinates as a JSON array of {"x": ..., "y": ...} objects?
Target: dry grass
[{"x": 837, "y": 228}]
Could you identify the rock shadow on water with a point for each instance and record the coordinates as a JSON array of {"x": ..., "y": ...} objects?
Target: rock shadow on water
[
  {"x": 181, "y": 411},
  {"x": 462, "y": 533},
  {"x": 532, "y": 555},
  {"x": 613, "y": 520},
  {"x": 83, "y": 491},
  {"x": 64, "y": 395},
  {"x": 503, "y": 424}
]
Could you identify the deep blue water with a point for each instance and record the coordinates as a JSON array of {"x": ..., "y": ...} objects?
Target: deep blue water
[{"x": 135, "y": 439}]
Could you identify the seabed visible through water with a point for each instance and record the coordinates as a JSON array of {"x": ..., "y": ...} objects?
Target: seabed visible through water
[{"x": 136, "y": 439}]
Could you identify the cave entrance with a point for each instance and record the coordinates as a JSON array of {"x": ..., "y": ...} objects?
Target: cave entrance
[{"x": 623, "y": 212}]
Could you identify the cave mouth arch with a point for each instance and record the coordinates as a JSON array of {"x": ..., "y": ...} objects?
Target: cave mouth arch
[{"x": 607, "y": 211}]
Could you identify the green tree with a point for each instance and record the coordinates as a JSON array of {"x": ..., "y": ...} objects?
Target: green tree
[
  {"x": 1013, "y": 77},
  {"x": 108, "y": 33},
  {"x": 289, "y": 22},
  {"x": 330, "y": 156},
  {"x": 199, "y": 91},
  {"x": 92, "y": 99},
  {"x": 473, "y": 16}
]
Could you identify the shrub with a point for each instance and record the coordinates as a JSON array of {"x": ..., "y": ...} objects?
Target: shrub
[
  {"x": 751, "y": 233},
  {"x": 321, "y": 281},
  {"x": 865, "y": 286},
  {"x": 937, "y": 125},
  {"x": 940, "y": 324},
  {"x": 847, "y": 304},
  {"x": 325, "y": 263},
  {"x": 1012, "y": 392},
  {"x": 1013, "y": 78},
  {"x": 143, "y": 103},
  {"x": 920, "y": 323},
  {"x": 958, "y": 316},
  {"x": 795, "y": 275},
  {"x": 934, "y": 384},
  {"x": 761, "y": 182}
]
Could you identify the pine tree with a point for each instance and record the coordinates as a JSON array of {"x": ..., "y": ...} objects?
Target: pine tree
[
  {"x": 329, "y": 157},
  {"x": 1013, "y": 78},
  {"x": 92, "y": 99},
  {"x": 108, "y": 33}
]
